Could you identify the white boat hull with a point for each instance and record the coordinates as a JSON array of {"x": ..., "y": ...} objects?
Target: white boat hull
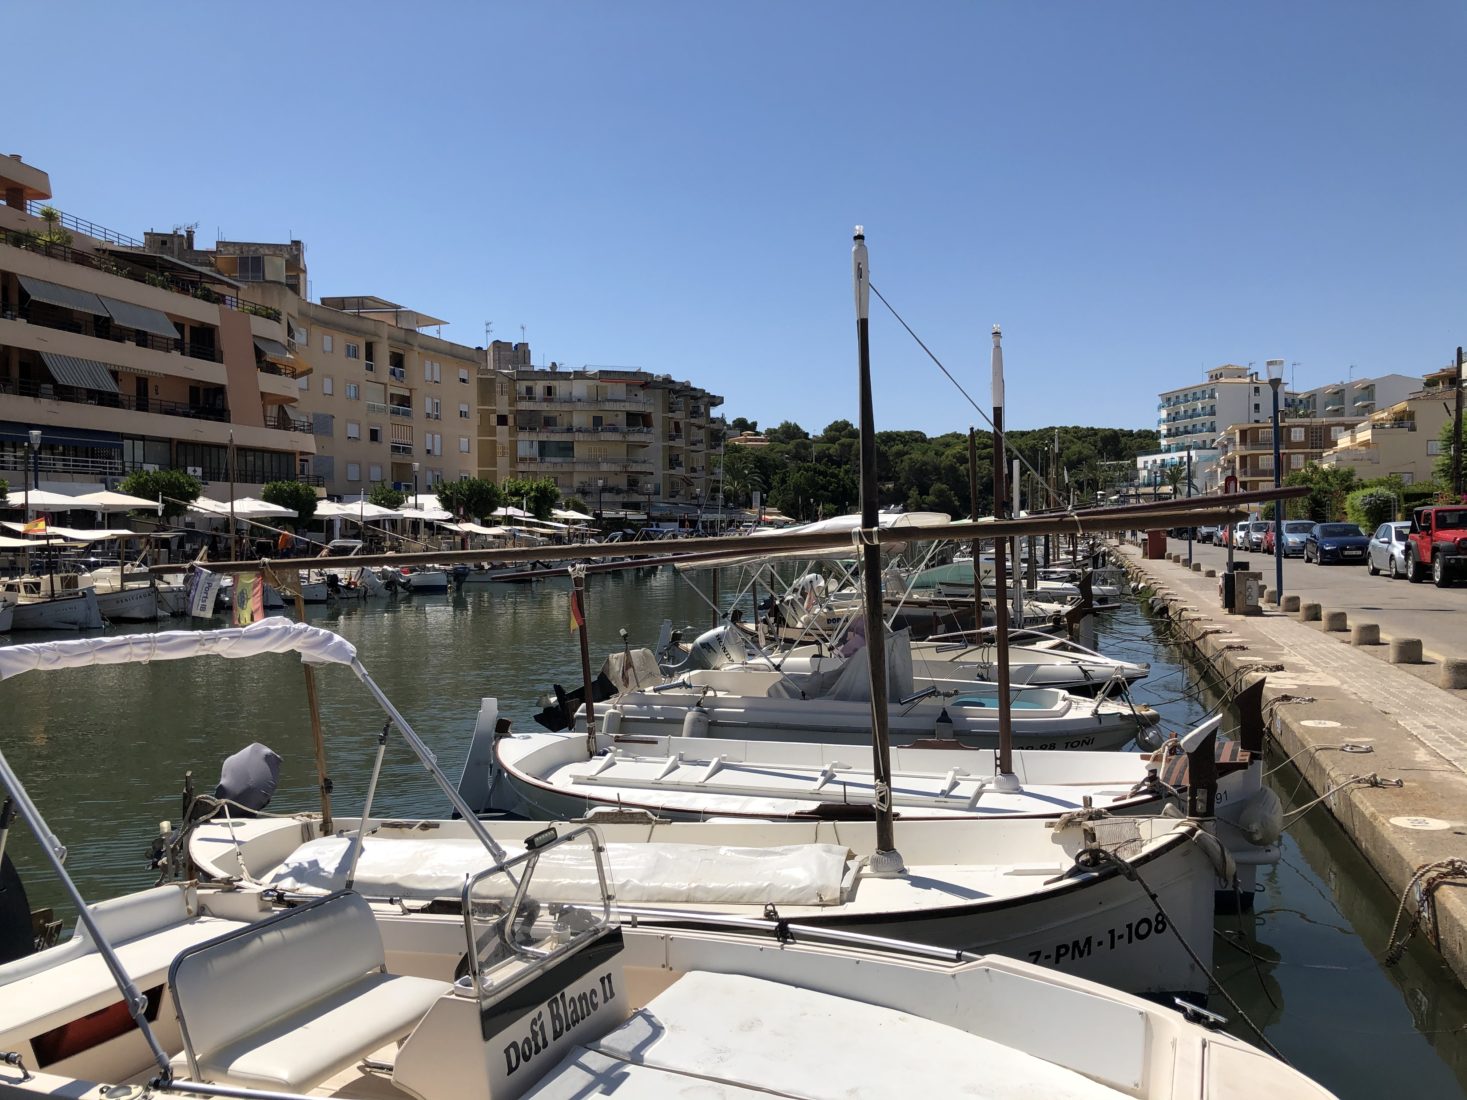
[
  {"x": 433, "y": 581},
  {"x": 76, "y": 612},
  {"x": 137, "y": 604},
  {"x": 7, "y": 616}
]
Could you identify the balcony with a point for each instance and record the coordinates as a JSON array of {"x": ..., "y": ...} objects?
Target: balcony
[
  {"x": 400, "y": 448},
  {"x": 400, "y": 373},
  {"x": 377, "y": 408},
  {"x": 111, "y": 266},
  {"x": 404, "y": 411},
  {"x": 47, "y": 391}
]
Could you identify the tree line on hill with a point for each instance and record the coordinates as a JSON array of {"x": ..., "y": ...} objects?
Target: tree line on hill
[{"x": 808, "y": 477}]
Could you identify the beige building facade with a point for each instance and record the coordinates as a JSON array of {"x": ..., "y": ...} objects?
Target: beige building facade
[
  {"x": 1246, "y": 450},
  {"x": 622, "y": 440},
  {"x": 1402, "y": 439},
  {"x": 385, "y": 402},
  {"x": 125, "y": 359}
]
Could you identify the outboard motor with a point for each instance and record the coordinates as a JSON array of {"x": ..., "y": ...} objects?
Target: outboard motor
[
  {"x": 718, "y": 648},
  {"x": 16, "y": 938},
  {"x": 249, "y": 778}
]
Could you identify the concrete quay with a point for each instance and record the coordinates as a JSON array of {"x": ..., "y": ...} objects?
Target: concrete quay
[{"x": 1383, "y": 746}]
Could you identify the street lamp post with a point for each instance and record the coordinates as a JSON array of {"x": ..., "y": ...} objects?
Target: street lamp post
[
  {"x": 415, "y": 499},
  {"x": 1275, "y": 377},
  {"x": 600, "y": 490},
  {"x": 1189, "y": 496},
  {"x": 33, "y": 452}
]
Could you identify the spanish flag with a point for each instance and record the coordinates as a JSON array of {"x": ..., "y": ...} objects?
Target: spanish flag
[
  {"x": 35, "y": 527},
  {"x": 577, "y": 616}
]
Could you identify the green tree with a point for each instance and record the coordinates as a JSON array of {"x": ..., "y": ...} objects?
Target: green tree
[
  {"x": 473, "y": 497},
  {"x": 741, "y": 477},
  {"x": 1369, "y": 508},
  {"x": 787, "y": 431},
  {"x": 1442, "y": 468},
  {"x": 295, "y": 495},
  {"x": 738, "y": 425},
  {"x": 384, "y": 495},
  {"x": 4, "y": 486},
  {"x": 178, "y": 489},
  {"x": 538, "y": 495},
  {"x": 1328, "y": 486}
]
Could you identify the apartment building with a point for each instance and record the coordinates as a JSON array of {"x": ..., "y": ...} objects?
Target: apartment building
[
  {"x": 385, "y": 401},
  {"x": 621, "y": 439},
  {"x": 1246, "y": 450},
  {"x": 1403, "y": 438},
  {"x": 1357, "y": 397},
  {"x": 126, "y": 359}
]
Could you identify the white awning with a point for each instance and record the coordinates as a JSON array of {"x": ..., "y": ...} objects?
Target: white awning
[
  {"x": 273, "y": 635},
  {"x": 77, "y": 534},
  {"x": 108, "y": 501},
  {"x": 244, "y": 508},
  {"x": 43, "y": 500},
  {"x": 145, "y": 318},
  {"x": 353, "y": 509},
  {"x": 64, "y": 296}
]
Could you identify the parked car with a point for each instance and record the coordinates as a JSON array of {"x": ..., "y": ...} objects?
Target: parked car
[
  {"x": 1207, "y": 534},
  {"x": 1437, "y": 543},
  {"x": 1387, "y": 550},
  {"x": 1342, "y": 542},
  {"x": 1256, "y": 530},
  {"x": 1295, "y": 532},
  {"x": 1236, "y": 535}
]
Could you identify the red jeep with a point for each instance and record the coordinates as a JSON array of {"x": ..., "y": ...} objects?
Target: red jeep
[{"x": 1437, "y": 542}]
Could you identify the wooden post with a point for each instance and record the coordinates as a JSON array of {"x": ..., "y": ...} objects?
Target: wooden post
[
  {"x": 578, "y": 610},
  {"x": 313, "y": 706},
  {"x": 976, "y": 544}
]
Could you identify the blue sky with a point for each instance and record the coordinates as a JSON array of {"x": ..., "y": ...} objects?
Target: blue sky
[{"x": 1136, "y": 191}]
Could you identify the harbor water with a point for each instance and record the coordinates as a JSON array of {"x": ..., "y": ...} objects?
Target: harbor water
[{"x": 104, "y": 751}]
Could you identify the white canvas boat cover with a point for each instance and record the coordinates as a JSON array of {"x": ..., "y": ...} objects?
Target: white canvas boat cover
[
  {"x": 639, "y": 874},
  {"x": 272, "y": 635},
  {"x": 851, "y": 682}
]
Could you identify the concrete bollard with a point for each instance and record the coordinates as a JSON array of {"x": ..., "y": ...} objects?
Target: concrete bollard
[
  {"x": 1291, "y": 603},
  {"x": 1336, "y": 622},
  {"x": 1454, "y": 673},
  {"x": 1196, "y": 567},
  {"x": 1209, "y": 573},
  {"x": 1405, "y": 651},
  {"x": 1309, "y": 613},
  {"x": 1365, "y": 634},
  {"x": 1270, "y": 596}
]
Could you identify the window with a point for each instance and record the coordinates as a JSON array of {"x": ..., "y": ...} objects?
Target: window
[
  {"x": 432, "y": 372},
  {"x": 463, "y": 374},
  {"x": 1433, "y": 446},
  {"x": 1296, "y": 462},
  {"x": 432, "y": 408},
  {"x": 299, "y": 334},
  {"x": 353, "y": 471},
  {"x": 463, "y": 411},
  {"x": 1296, "y": 435},
  {"x": 501, "y": 420},
  {"x": 353, "y": 391},
  {"x": 1265, "y": 464},
  {"x": 250, "y": 269},
  {"x": 304, "y": 381},
  {"x": 374, "y": 433},
  {"x": 325, "y": 341},
  {"x": 375, "y": 471},
  {"x": 353, "y": 430},
  {"x": 327, "y": 385},
  {"x": 1336, "y": 432},
  {"x": 463, "y": 444},
  {"x": 353, "y": 351}
]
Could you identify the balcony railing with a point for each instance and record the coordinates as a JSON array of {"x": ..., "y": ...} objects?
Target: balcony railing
[
  {"x": 404, "y": 411},
  {"x": 31, "y": 243},
  {"x": 46, "y": 391},
  {"x": 81, "y": 225},
  {"x": 401, "y": 448}
]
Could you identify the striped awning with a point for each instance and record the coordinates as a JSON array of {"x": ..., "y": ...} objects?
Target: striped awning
[
  {"x": 84, "y": 374},
  {"x": 145, "y": 318},
  {"x": 273, "y": 349},
  {"x": 64, "y": 296}
]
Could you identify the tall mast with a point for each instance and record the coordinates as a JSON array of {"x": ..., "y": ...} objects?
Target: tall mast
[
  {"x": 886, "y": 860},
  {"x": 1005, "y": 779}
]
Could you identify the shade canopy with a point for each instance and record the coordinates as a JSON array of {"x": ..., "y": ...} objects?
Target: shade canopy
[
  {"x": 354, "y": 509},
  {"x": 512, "y": 511},
  {"x": 107, "y": 501},
  {"x": 568, "y": 513},
  {"x": 42, "y": 500},
  {"x": 8, "y": 543},
  {"x": 272, "y": 635},
  {"x": 244, "y": 508},
  {"x": 64, "y": 296},
  {"x": 77, "y": 534},
  {"x": 431, "y": 514},
  {"x": 83, "y": 374},
  {"x": 145, "y": 318}
]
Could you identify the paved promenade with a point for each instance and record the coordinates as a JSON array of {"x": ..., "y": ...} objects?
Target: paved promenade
[{"x": 1344, "y": 714}]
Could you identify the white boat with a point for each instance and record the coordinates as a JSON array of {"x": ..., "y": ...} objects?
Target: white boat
[
  {"x": 61, "y": 601},
  {"x": 7, "y": 615},
  {"x": 125, "y": 597},
  {"x": 834, "y": 706},
  {"x": 426, "y": 580},
  {"x": 534, "y": 980}
]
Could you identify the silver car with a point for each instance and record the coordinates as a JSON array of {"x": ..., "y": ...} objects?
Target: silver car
[
  {"x": 1387, "y": 550},
  {"x": 1256, "y": 530}
]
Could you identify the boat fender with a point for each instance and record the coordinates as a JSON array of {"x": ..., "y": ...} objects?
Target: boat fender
[
  {"x": 1217, "y": 853},
  {"x": 1262, "y": 818},
  {"x": 611, "y": 723},
  {"x": 1151, "y": 738},
  {"x": 696, "y": 721}
]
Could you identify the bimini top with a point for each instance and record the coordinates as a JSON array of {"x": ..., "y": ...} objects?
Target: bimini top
[{"x": 273, "y": 635}]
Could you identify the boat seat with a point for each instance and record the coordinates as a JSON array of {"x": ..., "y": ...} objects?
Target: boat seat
[
  {"x": 733, "y": 1036},
  {"x": 290, "y": 1001},
  {"x": 64, "y": 983}
]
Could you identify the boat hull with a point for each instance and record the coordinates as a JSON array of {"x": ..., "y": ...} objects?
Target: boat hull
[
  {"x": 138, "y": 604},
  {"x": 78, "y": 612}
]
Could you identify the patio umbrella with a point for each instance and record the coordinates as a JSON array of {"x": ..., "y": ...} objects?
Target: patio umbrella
[
  {"x": 45, "y": 501},
  {"x": 244, "y": 508},
  {"x": 108, "y": 501}
]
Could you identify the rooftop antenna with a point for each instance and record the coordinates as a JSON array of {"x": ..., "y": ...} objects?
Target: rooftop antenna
[
  {"x": 522, "y": 334},
  {"x": 1292, "y": 371},
  {"x": 1351, "y": 376},
  {"x": 488, "y": 332}
]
